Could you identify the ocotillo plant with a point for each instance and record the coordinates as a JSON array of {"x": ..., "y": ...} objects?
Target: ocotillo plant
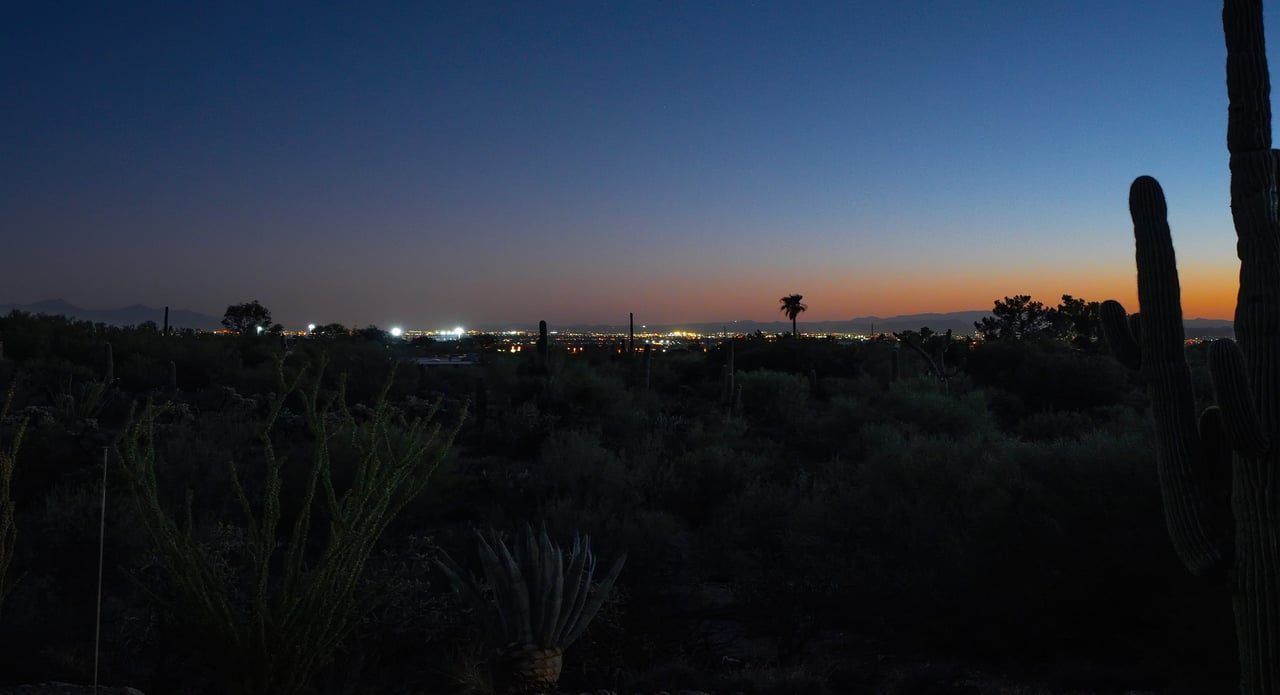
[
  {"x": 294, "y": 593},
  {"x": 938, "y": 367},
  {"x": 1242, "y": 542}
]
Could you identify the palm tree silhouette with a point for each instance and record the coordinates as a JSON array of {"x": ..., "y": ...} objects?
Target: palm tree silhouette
[{"x": 792, "y": 307}]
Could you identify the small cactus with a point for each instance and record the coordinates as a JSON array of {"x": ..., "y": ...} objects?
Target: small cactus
[
  {"x": 648, "y": 364},
  {"x": 542, "y": 344}
]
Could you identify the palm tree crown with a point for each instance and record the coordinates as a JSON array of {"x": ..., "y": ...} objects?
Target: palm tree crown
[{"x": 792, "y": 307}]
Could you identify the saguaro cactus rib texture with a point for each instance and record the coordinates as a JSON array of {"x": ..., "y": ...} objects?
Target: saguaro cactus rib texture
[
  {"x": 1246, "y": 375},
  {"x": 1231, "y": 387},
  {"x": 1197, "y": 527}
]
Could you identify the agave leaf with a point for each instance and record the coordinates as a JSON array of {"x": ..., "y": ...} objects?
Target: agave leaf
[
  {"x": 534, "y": 561},
  {"x": 582, "y": 580},
  {"x": 519, "y": 592},
  {"x": 501, "y": 585},
  {"x": 463, "y": 583},
  {"x": 573, "y": 582},
  {"x": 553, "y": 580},
  {"x": 597, "y": 600},
  {"x": 540, "y": 558}
]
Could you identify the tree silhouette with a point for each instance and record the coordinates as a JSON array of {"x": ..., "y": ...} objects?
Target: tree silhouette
[
  {"x": 1074, "y": 321},
  {"x": 1080, "y": 323},
  {"x": 247, "y": 317},
  {"x": 792, "y": 307},
  {"x": 1017, "y": 318}
]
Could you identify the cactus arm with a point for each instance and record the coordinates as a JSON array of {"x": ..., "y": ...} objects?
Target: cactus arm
[
  {"x": 1195, "y": 523},
  {"x": 1217, "y": 450},
  {"x": 1115, "y": 326},
  {"x": 1253, "y": 201},
  {"x": 1241, "y": 426}
]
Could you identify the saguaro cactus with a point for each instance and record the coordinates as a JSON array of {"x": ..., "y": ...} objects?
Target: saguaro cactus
[
  {"x": 1244, "y": 541},
  {"x": 542, "y": 344}
]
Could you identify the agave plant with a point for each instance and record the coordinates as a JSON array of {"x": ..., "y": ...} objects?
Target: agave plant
[{"x": 540, "y": 601}]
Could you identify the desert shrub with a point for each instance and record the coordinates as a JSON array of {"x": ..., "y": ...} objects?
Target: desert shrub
[
  {"x": 585, "y": 392},
  {"x": 953, "y": 541},
  {"x": 838, "y": 425},
  {"x": 409, "y": 641},
  {"x": 774, "y": 400},
  {"x": 575, "y": 466},
  {"x": 925, "y": 405},
  {"x": 1050, "y": 376},
  {"x": 1050, "y": 425},
  {"x": 632, "y": 425},
  {"x": 861, "y": 387},
  {"x": 705, "y": 478},
  {"x": 522, "y": 429}
]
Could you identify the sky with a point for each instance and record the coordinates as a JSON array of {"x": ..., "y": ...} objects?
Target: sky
[{"x": 436, "y": 163}]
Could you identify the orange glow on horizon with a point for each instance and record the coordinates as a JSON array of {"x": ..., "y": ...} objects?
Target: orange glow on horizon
[{"x": 1207, "y": 292}]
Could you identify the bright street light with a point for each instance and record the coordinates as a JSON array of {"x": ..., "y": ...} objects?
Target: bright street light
[{"x": 396, "y": 332}]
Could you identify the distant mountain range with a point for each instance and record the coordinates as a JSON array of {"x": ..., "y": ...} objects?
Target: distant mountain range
[
  {"x": 959, "y": 322},
  {"x": 125, "y": 316}
]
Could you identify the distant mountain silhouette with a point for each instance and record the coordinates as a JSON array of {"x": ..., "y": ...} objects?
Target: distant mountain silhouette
[
  {"x": 958, "y": 322},
  {"x": 126, "y": 316}
]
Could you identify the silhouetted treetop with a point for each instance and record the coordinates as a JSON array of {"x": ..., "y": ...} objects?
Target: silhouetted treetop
[{"x": 246, "y": 317}]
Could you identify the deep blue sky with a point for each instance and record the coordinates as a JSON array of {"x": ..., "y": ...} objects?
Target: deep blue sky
[{"x": 436, "y": 163}]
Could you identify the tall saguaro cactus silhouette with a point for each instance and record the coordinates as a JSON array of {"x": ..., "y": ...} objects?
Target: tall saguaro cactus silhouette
[{"x": 1239, "y": 433}]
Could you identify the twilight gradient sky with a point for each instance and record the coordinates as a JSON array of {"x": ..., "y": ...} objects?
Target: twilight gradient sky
[{"x": 437, "y": 163}]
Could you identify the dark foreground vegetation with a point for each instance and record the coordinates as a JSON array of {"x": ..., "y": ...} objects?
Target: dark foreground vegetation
[{"x": 798, "y": 515}]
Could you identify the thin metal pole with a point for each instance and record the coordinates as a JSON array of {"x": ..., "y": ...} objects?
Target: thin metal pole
[{"x": 102, "y": 541}]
